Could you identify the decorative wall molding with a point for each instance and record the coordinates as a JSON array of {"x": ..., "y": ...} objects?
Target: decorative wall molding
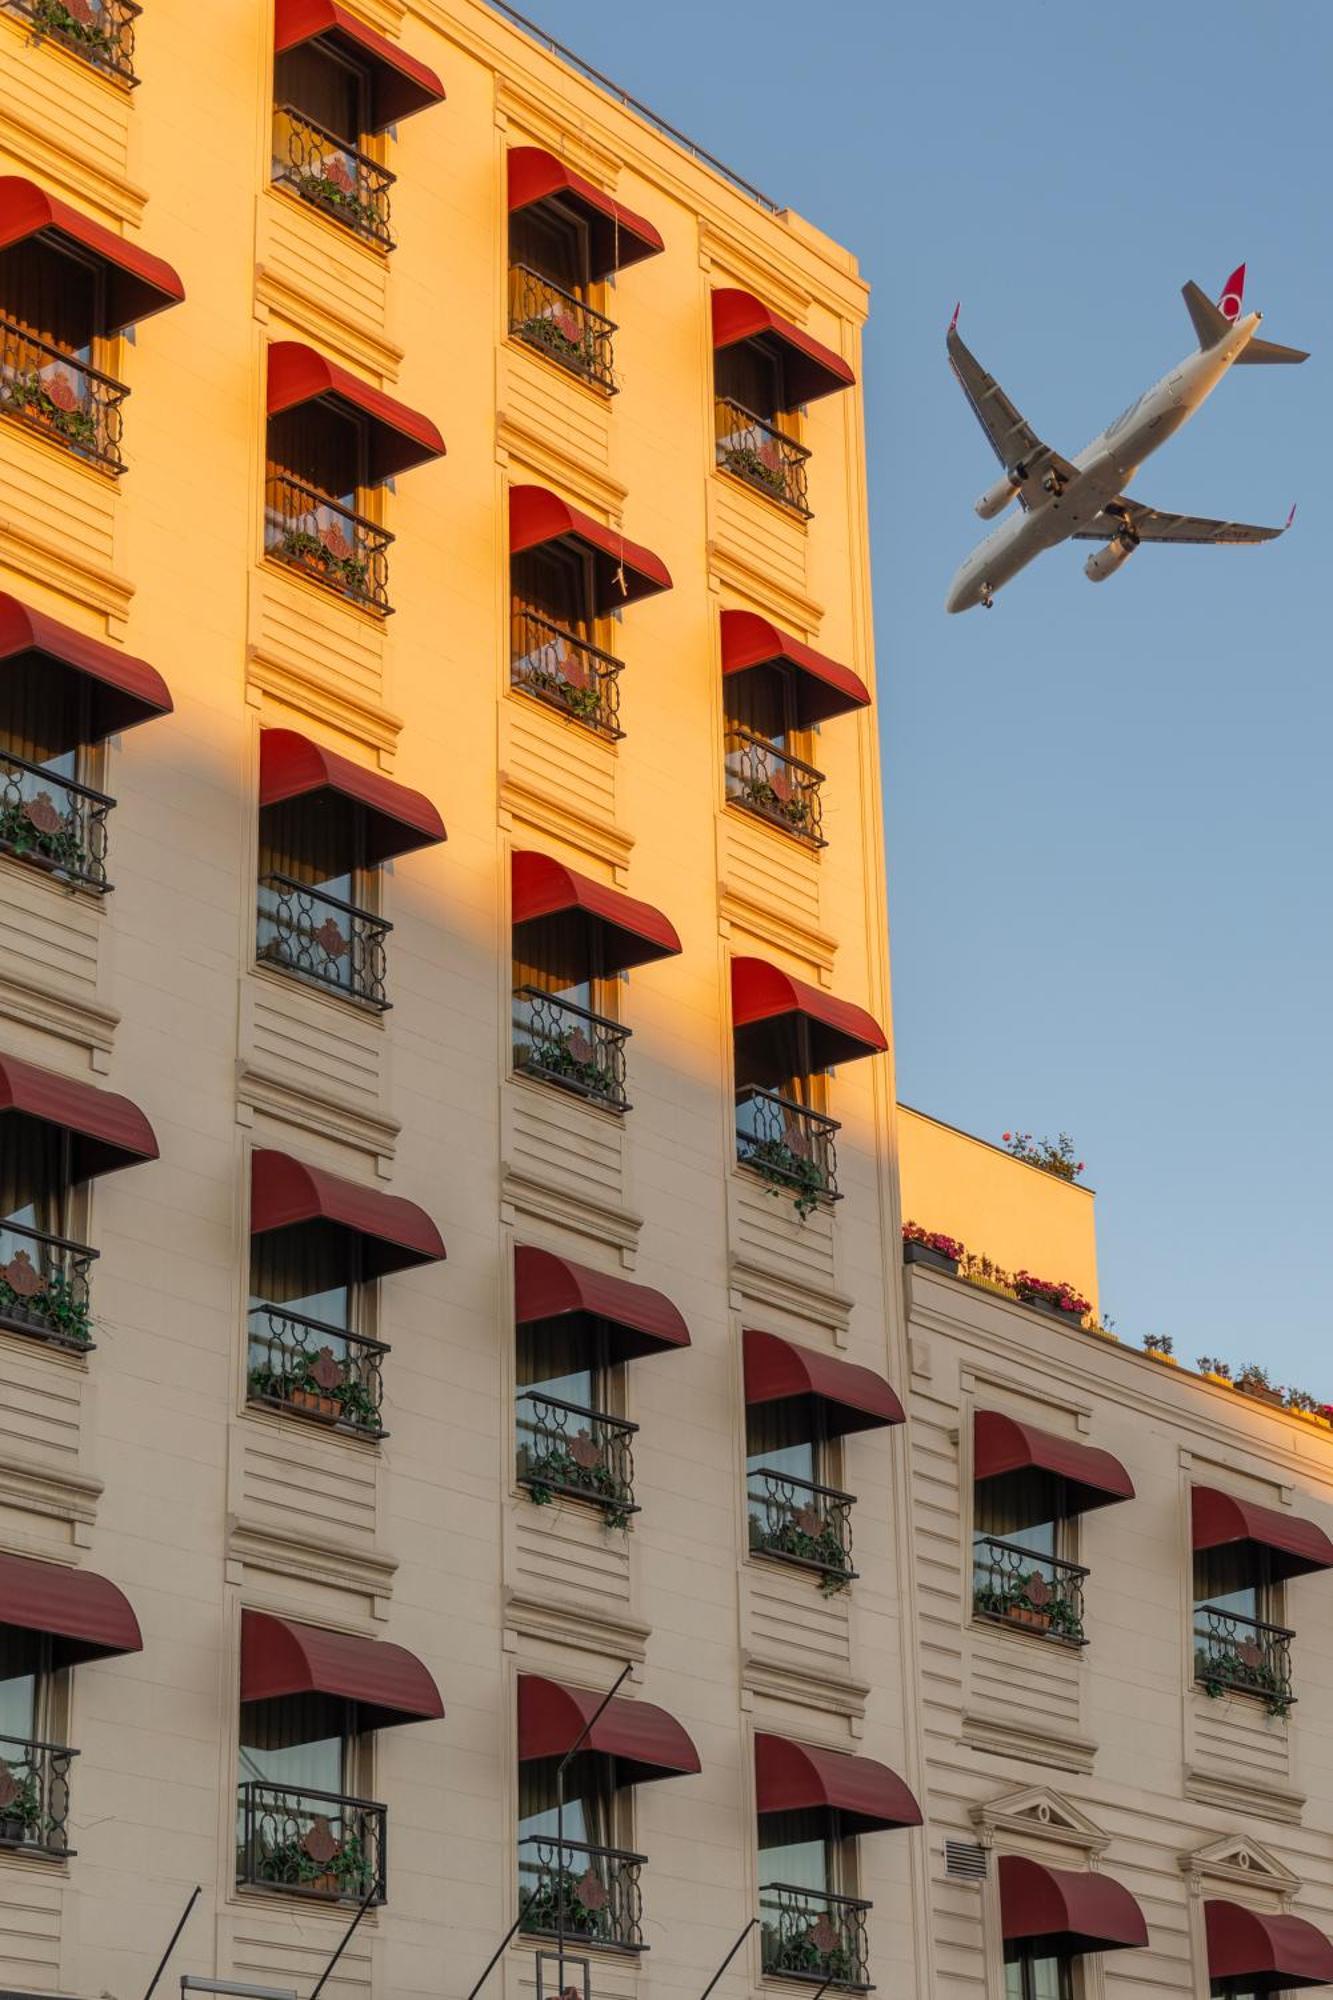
[
  {"x": 783, "y": 1292},
  {"x": 364, "y": 721},
  {"x": 771, "y": 925},
  {"x": 314, "y": 1559},
  {"x": 792, "y": 609},
  {"x": 62, "y": 569},
  {"x": 1239, "y": 1862},
  {"x": 549, "y": 1201},
  {"x": 84, "y": 1023},
  {"x": 54, "y": 1494},
  {"x": 543, "y": 454},
  {"x": 1238, "y": 1795},
  {"x": 547, "y": 122},
  {"x": 354, "y": 340},
  {"x": 779, "y": 1681},
  {"x": 560, "y": 817},
  {"x": 259, "y": 1090},
  {"x": 1038, "y": 1812},
  {"x": 600, "y": 1631},
  {"x": 1034, "y": 1746}
]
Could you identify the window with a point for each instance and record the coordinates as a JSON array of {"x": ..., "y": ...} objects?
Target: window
[
  {"x": 302, "y": 1827},
  {"x": 557, "y": 652},
  {"x": 571, "y": 1445},
  {"x": 318, "y": 897},
  {"x": 1024, "y": 1541},
  {"x": 812, "y": 1924},
  {"x": 1240, "y": 1643},
  {"x": 323, "y": 147},
  {"x": 768, "y": 752},
  {"x": 567, "y": 1029},
  {"x": 321, "y": 503},
  {"x": 53, "y": 357},
  {"x": 782, "y": 1126},
  {"x": 765, "y": 369},
  {"x": 311, "y": 1314},
  {"x": 590, "y": 1870},
  {"x": 44, "y": 1275},
  {"x": 34, "y": 1770},
  {"x": 101, "y": 32},
  {"x": 793, "y": 1465},
  {"x": 50, "y": 815},
  {"x": 1030, "y": 1975}
]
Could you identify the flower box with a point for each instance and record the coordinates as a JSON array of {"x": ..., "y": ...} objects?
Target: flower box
[
  {"x": 934, "y": 1260},
  {"x": 315, "y": 1404},
  {"x": 1052, "y": 1306},
  {"x": 1222, "y": 1381},
  {"x": 1029, "y": 1617},
  {"x": 1167, "y": 1360},
  {"x": 1273, "y": 1397}
]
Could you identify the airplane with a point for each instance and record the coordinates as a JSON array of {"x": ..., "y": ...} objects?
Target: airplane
[{"x": 1083, "y": 499}]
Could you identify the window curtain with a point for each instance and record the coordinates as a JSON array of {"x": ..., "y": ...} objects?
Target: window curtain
[
  {"x": 796, "y": 1849},
  {"x": 319, "y": 841},
  {"x": 554, "y": 244},
  {"x": 21, "y": 1658},
  {"x": 590, "y": 1797},
  {"x": 762, "y": 701},
  {"x": 323, "y": 88},
  {"x": 43, "y": 714},
  {"x": 559, "y": 1357},
  {"x": 554, "y": 582},
  {"x": 310, "y": 1268},
  {"x": 784, "y": 1437},
  {"x": 297, "y": 1741},
  {"x": 51, "y": 294},
  {"x": 1233, "y": 1578},
  {"x": 562, "y": 955},
  {"x": 33, "y": 1174},
  {"x": 1023, "y": 1507},
  {"x": 320, "y": 447},
  {"x": 746, "y": 373},
  {"x": 775, "y": 1055}
]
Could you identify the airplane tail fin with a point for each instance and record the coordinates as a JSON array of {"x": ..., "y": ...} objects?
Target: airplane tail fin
[
  {"x": 1269, "y": 351},
  {"x": 1211, "y": 322}
]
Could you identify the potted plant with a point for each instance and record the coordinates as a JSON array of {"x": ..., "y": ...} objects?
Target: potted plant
[
  {"x": 579, "y": 1467},
  {"x": 1160, "y": 1347},
  {"x": 1051, "y": 1295},
  {"x": 1215, "y": 1370},
  {"x": 1053, "y": 1156},
  {"x": 75, "y": 20},
  {"x": 1253, "y": 1381},
  {"x": 20, "y": 1805},
  {"x": 932, "y": 1248},
  {"x": 356, "y": 1405},
  {"x": 788, "y": 1171},
  {"x": 1300, "y": 1403},
  {"x": 314, "y": 1389}
]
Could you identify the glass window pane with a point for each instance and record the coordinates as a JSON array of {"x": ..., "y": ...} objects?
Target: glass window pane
[
  {"x": 794, "y": 1848},
  {"x": 298, "y": 1742},
  {"x": 589, "y": 1799}
]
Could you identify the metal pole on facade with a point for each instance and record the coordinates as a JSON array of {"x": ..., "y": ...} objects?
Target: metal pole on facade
[
  {"x": 730, "y": 1955},
  {"x": 560, "y": 1770},
  {"x": 346, "y": 1937},
  {"x": 162, "y": 1962}
]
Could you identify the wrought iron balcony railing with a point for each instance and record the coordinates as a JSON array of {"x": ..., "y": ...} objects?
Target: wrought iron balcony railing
[
  {"x": 570, "y": 674},
  {"x": 34, "y": 1796},
  {"x": 1039, "y": 1593},
  {"x": 44, "y": 1284},
  {"x": 302, "y": 930},
  {"x": 583, "y": 1454},
  {"x": 61, "y": 397},
  {"x": 101, "y": 31},
  {"x": 774, "y": 785},
  {"x": 562, "y": 327},
  {"x": 1235, "y": 1655},
  {"x": 313, "y": 534},
  {"x": 762, "y": 455},
  {"x": 331, "y": 175},
  {"x": 813, "y": 1935},
  {"x": 315, "y": 1844},
  {"x": 570, "y": 1046},
  {"x": 801, "y": 1522},
  {"x": 53, "y": 823},
  {"x": 589, "y": 1894},
  {"x": 317, "y": 1371},
  {"x": 789, "y": 1145}
]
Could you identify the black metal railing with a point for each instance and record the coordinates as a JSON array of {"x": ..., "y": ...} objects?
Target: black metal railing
[
  {"x": 788, "y": 1144},
  {"x": 44, "y": 1285},
  {"x": 332, "y": 175},
  {"x": 34, "y": 1795},
  {"x": 61, "y": 397},
  {"x": 1041, "y": 1594},
  {"x": 762, "y": 455},
  {"x": 101, "y": 31},
  {"x": 591, "y": 1894},
  {"x": 53, "y": 823},
  {"x": 801, "y": 1522},
  {"x": 315, "y": 535},
  {"x": 774, "y": 785},
  {"x": 1235, "y": 1655},
  {"x": 315, "y": 1844},
  {"x": 545, "y": 316},
  {"x": 302, "y": 930},
  {"x": 564, "y": 1448},
  {"x": 569, "y": 1045},
  {"x": 570, "y": 673},
  {"x": 315, "y": 1370},
  {"x": 814, "y": 1935}
]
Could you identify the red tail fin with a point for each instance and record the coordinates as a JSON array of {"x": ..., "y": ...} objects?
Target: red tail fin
[{"x": 1233, "y": 293}]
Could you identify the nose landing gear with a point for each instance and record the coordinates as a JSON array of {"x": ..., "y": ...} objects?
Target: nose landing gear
[{"x": 987, "y": 597}]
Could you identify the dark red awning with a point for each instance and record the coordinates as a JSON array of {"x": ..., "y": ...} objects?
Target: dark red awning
[
  {"x": 795, "y": 1777},
  {"x": 106, "y": 1132},
  {"x": 136, "y": 285},
  {"x": 399, "y": 84},
  {"x": 1093, "y": 1478},
  {"x": 1266, "y": 1952},
  {"x": 122, "y": 691},
  {"x": 85, "y": 1617},
  {"x": 281, "y": 1657},
  {"x": 633, "y": 933},
  {"x": 397, "y": 820},
  {"x": 1066, "y": 1910},
  {"x": 618, "y": 236},
  {"x": 645, "y": 1741},
  {"x": 1295, "y": 1546},
  {"x": 810, "y": 369},
  {"x": 823, "y": 687},
  {"x": 399, "y": 437},
  {"x": 636, "y": 1319},
  {"x": 839, "y": 1031},
  {"x": 538, "y": 516},
  {"x": 854, "y": 1398},
  {"x": 394, "y": 1233}
]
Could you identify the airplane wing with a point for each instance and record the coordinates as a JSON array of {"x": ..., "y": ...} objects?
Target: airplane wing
[
  {"x": 1013, "y": 440},
  {"x": 1151, "y": 526}
]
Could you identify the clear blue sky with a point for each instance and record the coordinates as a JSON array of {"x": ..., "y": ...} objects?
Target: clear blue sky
[{"x": 1109, "y": 807}]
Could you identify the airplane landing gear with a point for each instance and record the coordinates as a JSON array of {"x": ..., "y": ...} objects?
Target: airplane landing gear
[
  {"x": 988, "y": 597},
  {"x": 1053, "y": 484}
]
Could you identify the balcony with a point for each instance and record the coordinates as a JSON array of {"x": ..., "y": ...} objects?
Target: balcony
[
  {"x": 1235, "y": 1655},
  {"x": 754, "y": 450},
  {"x": 799, "y": 1522},
  {"x": 774, "y": 785},
  {"x": 317, "y": 937},
  {"x": 567, "y": 673},
  {"x": 60, "y": 397},
  {"x": 34, "y": 1796},
  {"x": 561, "y": 327},
  {"x": 789, "y": 1146},
  {"x": 313, "y": 1844},
  {"x": 328, "y": 543},
  {"x": 577, "y": 1453},
  {"x": 101, "y": 31},
  {"x": 320, "y": 1372},
  {"x": 44, "y": 1287},
  {"x": 587, "y": 1894},
  {"x": 813, "y": 1935},
  {"x": 53, "y": 824},
  {"x": 571, "y": 1047},
  {"x": 331, "y": 175},
  {"x": 1040, "y": 1594}
]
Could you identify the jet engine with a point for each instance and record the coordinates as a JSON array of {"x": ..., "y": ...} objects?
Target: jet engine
[
  {"x": 1105, "y": 562},
  {"x": 996, "y": 498}
]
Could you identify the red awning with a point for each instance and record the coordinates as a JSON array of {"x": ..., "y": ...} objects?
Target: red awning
[
  {"x": 839, "y": 1032},
  {"x": 854, "y": 1398},
  {"x": 633, "y": 933},
  {"x": 636, "y": 1319},
  {"x": 1066, "y": 1910},
  {"x": 388, "y": 1684},
  {"x": 795, "y": 1777},
  {"x": 106, "y": 1132},
  {"x": 618, "y": 236},
  {"x": 538, "y": 516},
  {"x": 396, "y": 820},
  {"x": 399, "y": 438},
  {"x": 823, "y": 688},
  {"x": 1295, "y": 1546},
  {"x": 122, "y": 691},
  {"x": 645, "y": 1741},
  {"x": 1093, "y": 1478},
  {"x": 1266, "y": 1953},
  {"x": 399, "y": 84},
  {"x": 394, "y": 1233},
  {"x": 810, "y": 369},
  {"x": 85, "y": 1617},
  {"x": 136, "y": 285}
]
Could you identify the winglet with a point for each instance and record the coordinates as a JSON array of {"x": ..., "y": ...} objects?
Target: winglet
[
  {"x": 1290, "y": 518},
  {"x": 954, "y": 321},
  {"x": 1233, "y": 293}
]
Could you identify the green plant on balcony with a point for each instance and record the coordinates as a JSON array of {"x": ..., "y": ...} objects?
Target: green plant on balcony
[
  {"x": 45, "y": 1299},
  {"x": 803, "y": 1541},
  {"x": 545, "y": 331},
  {"x": 561, "y": 1056},
  {"x": 1029, "y": 1601},
  {"x": 1226, "y": 1671},
  {"x": 348, "y": 572},
  {"x": 54, "y": 17},
  {"x": 336, "y": 190},
  {"x": 578, "y": 1466},
  {"x": 356, "y": 1405},
  {"x": 760, "y": 467},
  {"x": 36, "y": 830},
  {"x": 1053, "y": 1156},
  {"x": 784, "y": 1169},
  {"x": 287, "y": 1863},
  {"x": 765, "y": 797},
  {"x": 21, "y": 1811},
  {"x": 801, "y": 1952},
  {"x": 584, "y": 703},
  {"x": 575, "y": 1905},
  {"x": 77, "y": 426}
]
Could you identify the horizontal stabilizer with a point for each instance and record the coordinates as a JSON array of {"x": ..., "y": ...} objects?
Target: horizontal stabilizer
[
  {"x": 1210, "y": 322},
  {"x": 1268, "y": 350}
]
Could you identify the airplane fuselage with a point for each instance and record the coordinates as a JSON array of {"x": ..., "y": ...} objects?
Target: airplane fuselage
[{"x": 1103, "y": 470}]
